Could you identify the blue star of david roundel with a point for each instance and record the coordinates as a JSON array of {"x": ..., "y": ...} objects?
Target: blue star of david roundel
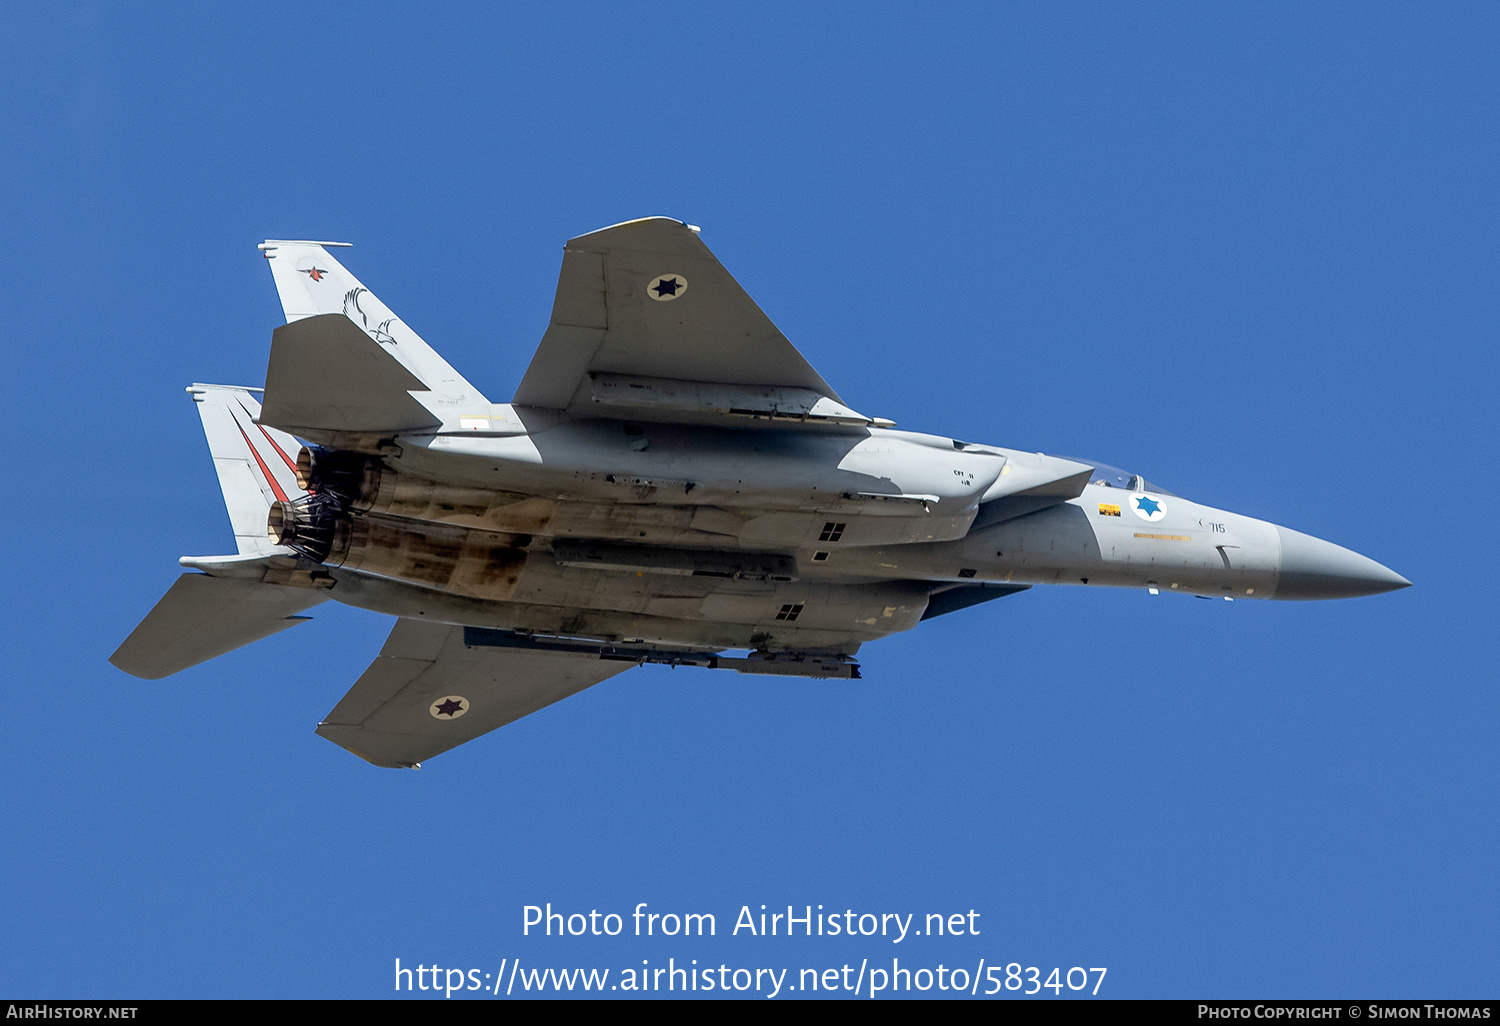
[
  {"x": 1148, "y": 507},
  {"x": 449, "y": 707},
  {"x": 666, "y": 287}
]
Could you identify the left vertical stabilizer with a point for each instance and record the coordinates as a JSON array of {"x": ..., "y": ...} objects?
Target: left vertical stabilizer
[{"x": 256, "y": 464}]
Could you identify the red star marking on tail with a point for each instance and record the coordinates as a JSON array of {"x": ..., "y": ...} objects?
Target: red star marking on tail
[{"x": 315, "y": 273}]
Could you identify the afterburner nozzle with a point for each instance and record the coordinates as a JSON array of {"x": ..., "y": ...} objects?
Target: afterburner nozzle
[
  {"x": 305, "y": 525},
  {"x": 304, "y": 470},
  {"x": 279, "y": 527}
]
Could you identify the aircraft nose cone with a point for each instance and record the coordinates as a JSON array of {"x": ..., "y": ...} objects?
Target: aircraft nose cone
[{"x": 1312, "y": 568}]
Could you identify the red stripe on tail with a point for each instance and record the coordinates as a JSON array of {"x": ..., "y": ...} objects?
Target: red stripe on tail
[
  {"x": 263, "y": 468},
  {"x": 291, "y": 464}
]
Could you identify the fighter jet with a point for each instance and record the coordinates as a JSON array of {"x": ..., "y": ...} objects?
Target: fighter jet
[{"x": 672, "y": 483}]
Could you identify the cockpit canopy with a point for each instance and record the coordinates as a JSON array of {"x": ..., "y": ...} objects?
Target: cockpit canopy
[{"x": 1113, "y": 477}]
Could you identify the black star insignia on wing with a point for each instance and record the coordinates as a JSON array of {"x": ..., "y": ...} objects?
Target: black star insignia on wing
[
  {"x": 450, "y": 707},
  {"x": 666, "y": 287}
]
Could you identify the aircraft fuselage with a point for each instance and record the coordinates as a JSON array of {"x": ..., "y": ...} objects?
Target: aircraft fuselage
[{"x": 771, "y": 538}]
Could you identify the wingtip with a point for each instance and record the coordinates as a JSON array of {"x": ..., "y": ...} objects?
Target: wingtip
[
  {"x": 271, "y": 244},
  {"x": 640, "y": 222}
]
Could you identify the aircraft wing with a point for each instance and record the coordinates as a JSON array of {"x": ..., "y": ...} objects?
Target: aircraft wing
[
  {"x": 647, "y": 300},
  {"x": 428, "y": 692}
]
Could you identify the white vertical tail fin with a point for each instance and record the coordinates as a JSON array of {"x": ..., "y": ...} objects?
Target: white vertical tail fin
[
  {"x": 256, "y": 464},
  {"x": 311, "y": 282}
]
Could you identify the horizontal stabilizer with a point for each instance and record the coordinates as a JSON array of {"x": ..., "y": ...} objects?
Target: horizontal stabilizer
[
  {"x": 326, "y": 375},
  {"x": 201, "y": 617}
]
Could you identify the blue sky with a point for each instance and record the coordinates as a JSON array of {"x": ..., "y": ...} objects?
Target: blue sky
[{"x": 1248, "y": 251}]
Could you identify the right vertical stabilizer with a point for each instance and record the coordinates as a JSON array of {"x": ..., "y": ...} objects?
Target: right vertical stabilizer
[{"x": 312, "y": 284}]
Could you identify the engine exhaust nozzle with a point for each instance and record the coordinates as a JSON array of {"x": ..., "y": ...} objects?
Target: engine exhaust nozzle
[
  {"x": 306, "y": 525},
  {"x": 304, "y": 472},
  {"x": 279, "y": 527}
]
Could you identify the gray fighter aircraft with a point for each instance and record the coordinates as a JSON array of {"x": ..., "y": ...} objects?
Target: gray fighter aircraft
[{"x": 671, "y": 481}]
